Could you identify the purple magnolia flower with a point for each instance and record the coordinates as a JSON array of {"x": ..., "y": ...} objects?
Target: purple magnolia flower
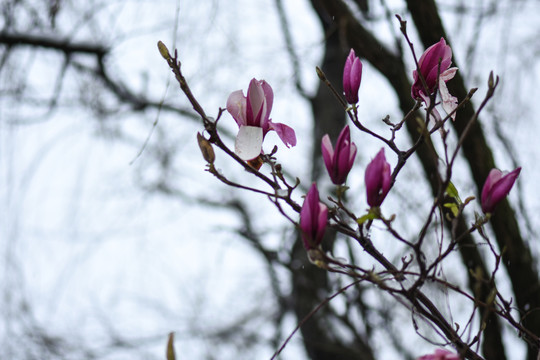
[
  {"x": 352, "y": 76},
  {"x": 440, "y": 354},
  {"x": 378, "y": 178},
  {"x": 339, "y": 162},
  {"x": 252, "y": 114},
  {"x": 429, "y": 67},
  {"x": 498, "y": 184},
  {"x": 313, "y": 218}
]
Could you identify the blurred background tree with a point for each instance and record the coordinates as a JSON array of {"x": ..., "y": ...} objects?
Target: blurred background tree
[{"x": 112, "y": 234}]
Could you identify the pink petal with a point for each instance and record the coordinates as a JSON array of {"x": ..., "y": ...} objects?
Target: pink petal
[
  {"x": 493, "y": 176},
  {"x": 269, "y": 96},
  {"x": 347, "y": 71},
  {"x": 327, "y": 151},
  {"x": 352, "y": 154},
  {"x": 387, "y": 178},
  {"x": 256, "y": 104},
  {"x": 285, "y": 133},
  {"x": 429, "y": 67},
  {"x": 502, "y": 186},
  {"x": 448, "y": 74},
  {"x": 497, "y": 187},
  {"x": 313, "y": 218},
  {"x": 342, "y": 161},
  {"x": 321, "y": 222},
  {"x": 236, "y": 106},
  {"x": 377, "y": 178}
]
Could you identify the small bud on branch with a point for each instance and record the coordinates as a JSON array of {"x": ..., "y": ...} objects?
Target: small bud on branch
[
  {"x": 163, "y": 50},
  {"x": 206, "y": 149}
]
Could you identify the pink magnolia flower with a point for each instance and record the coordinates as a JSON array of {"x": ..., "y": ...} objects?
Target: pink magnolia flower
[
  {"x": 352, "y": 76},
  {"x": 339, "y": 162},
  {"x": 498, "y": 184},
  {"x": 429, "y": 67},
  {"x": 252, "y": 114},
  {"x": 440, "y": 354},
  {"x": 378, "y": 178},
  {"x": 313, "y": 218}
]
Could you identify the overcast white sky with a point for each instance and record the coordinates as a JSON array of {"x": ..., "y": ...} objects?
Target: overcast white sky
[{"x": 86, "y": 244}]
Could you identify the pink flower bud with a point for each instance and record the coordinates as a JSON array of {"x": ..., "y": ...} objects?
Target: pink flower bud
[
  {"x": 313, "y": 218},
  {"x": 339, "y": 162},
  {"x": 252, "y": 114},
  {"x": 352, "y": 76},
  {"x": 429, "y": 67},
  {"x": 498, "y": 184},
  {"x": 378, "y": 178},
  {"x": 440, "y": 354}
]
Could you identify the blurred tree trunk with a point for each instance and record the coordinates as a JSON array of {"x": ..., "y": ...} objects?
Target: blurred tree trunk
[{"x": 310, "y": 282}]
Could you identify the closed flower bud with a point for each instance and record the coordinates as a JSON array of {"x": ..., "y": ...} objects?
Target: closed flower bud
[
  {"x": 163, "y": 51},
  {"x": 313, "y": 219},
  {"x": 206, "y": 149},
  {"x": 378, "y": 179},
  {"x": 498, "y": 184},
  {"x": 352, "y": 76},
  {"x": 340, "y": 160}
]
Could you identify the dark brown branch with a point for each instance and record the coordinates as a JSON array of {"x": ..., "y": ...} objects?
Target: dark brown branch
[{"x": 64, "y": 45}]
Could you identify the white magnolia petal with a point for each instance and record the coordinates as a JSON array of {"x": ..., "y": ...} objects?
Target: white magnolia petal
[
  {"x": 248, "y": 143},
  {"x": 448, "y": 74},
  {"x": 449, "y": 102}
]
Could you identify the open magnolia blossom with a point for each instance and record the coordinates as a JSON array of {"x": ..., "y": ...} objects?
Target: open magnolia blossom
[
  {"x": 435, "y": 60},
  {"x": 252, "y": 114}
]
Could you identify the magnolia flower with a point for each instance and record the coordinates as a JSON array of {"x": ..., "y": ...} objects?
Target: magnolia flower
[
  {"x": 441, "y": 354},
  {"x": 313, "y": 218},
  {"x": 498, "y": 184},
  {"x": 252, "y": 114},
  {"x": 378, "y": 178},
  {"x": 429, "y": 67},
  {"x": 352, "y": 76},
  {"x": 339, "y": 162}
]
